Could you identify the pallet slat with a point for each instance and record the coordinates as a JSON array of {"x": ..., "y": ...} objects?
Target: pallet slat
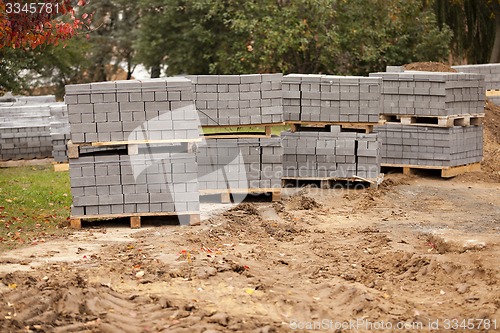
[
  {"x": 434, "y": 121},
  {"x": 226, "y": 193},
  {"x": 60, "y": 167},
  {"x": 191, "y": 218},
  {"x": 446, "y": 171},
  {"x": 244, "y": 125},
  {"x": 492, "y": 93},
  {"x": 132, "y": 146},
  {"x": 236, "y": 136},
  {"x": 225, "y": 132},
  {"x": 297, "y": 126}
]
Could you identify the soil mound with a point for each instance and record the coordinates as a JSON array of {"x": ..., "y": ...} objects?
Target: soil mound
[
  {"x": 429, "y": 66},
  {"x": 491, "y": 159},
  {"x": 302, "y": 202}
]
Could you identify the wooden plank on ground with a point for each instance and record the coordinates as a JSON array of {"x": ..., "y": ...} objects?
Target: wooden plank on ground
[
  {"x": 446, "y": 171},
  {"x": 60, "y": 167},
  {"x": 141, "y": 142},
  {"x": 20, "y": 163},
  {"x": 458, "y": 170}
]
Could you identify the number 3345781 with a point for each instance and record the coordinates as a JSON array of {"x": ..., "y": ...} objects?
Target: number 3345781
[{"x": 31, "y": 8}]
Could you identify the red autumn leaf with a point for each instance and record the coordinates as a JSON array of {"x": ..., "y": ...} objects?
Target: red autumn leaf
[{"x": 46, "y": 26}]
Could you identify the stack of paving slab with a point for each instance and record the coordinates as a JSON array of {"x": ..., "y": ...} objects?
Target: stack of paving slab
[
  {"x": 238, "y": 99},
  {"x": 149, "y": 167},
  {"x": 431, "y": 146},
  {"x": 240, "y": 163},
  {"x": 131, "y": 110},
  {"x": 326, "y": 98},
  {"x": 331, "y": 100},
  {"x": 333, "y": 154},
  {"x": 231, "y": 162},
  {"x": 430, "y": 95},
  {"x": 25, "y": 128},
  {"x": 491, "y": 73},
  {"x": 59, "y": 131}
]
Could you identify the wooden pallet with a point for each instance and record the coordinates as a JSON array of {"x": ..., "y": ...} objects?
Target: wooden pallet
[
  {"x": 132, "y": 146},
  {"x": 238, "y": 135},
  {"x": 60, "y": 167},
  {"x": 329, "y": 182},
  {"x": 20, "y": 163},
  {"x": 492, "y": 93},
  {"x": 239, "y": 131},
  {"x": 435, "y": 121},
  {"x": 304, "y": 126},
  {"x": 225, "y": 194},
  {"x": 446, "y": 171},
  {"x": 191, "y": 218}
]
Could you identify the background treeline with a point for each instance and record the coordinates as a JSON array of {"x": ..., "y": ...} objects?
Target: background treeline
[{"x": 348, "y": 37}]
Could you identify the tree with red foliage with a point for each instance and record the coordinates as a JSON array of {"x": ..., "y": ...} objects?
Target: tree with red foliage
[{"x": 33, "y": 23}]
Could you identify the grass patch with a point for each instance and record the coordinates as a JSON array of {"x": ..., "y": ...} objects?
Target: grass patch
[{"x": 34, "y": 205}]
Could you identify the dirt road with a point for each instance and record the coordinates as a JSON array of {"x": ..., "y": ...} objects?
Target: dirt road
[{"x": 418, "y": 251}]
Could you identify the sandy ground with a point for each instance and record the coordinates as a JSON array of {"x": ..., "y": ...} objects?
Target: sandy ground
[{"x": 418, "y": 251}]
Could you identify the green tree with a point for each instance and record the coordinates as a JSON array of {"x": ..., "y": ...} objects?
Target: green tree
[
  {"x": 377, "y": 33},
  {"x": 494, "y": 5},
  {"x": 307, "y": 36},
  {"x": 12, "y": 62},
  {"x": 473, "y": 25},
  {"x": 23, "y": 71},
  {"x": 60, "y": 65},
  {"x": 115, "y": 26}
]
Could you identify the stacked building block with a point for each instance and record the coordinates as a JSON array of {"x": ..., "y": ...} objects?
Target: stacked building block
[
  {"x": 240, "y": 163},
  {"x": 431, "y": 146},
  {"x": 333, "y": 154},
  {"x": 149, "y": 168},
  {"x": 491, "y": 73},
  {"x": 112, "y": 182},
  {"x": 325, "y": 98},
  {"x": 122, "y": 110},
  {"x": 25, "y": 128},
  {"x": 431, "y": 93},
  {"x": 59, "y": 131},
  {"x": 238, "y": 99}
]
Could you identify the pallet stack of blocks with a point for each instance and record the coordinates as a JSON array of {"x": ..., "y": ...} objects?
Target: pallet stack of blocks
[
  {"x": 25, "y": 128},
  {"x": 228, "y": 162},
  {"x": 323, "y": 99},
  {"x": 59, "y": 132},
  {"x": 327, "y": 98},
  {"x": 431, "y": 93},
  {"x": 333, "y": 154},
  {"x": 414, "y": 100},
  {"x": 238, "y": 99},
  {"x": 240, "y": 163},
  {"x": 131, "y": 145},
  {"x": 491, "y": 73}
]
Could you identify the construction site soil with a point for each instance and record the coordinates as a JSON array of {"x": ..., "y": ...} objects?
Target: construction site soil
[{"x": 419, "y": 251}]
